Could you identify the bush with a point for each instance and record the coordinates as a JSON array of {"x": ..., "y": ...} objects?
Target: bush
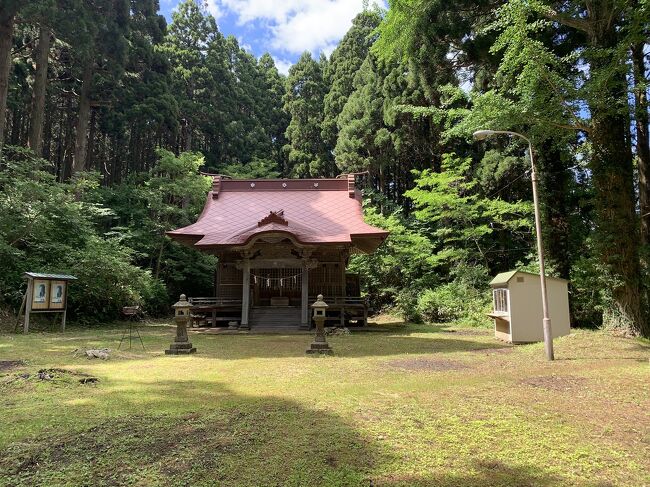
[
  {"x": 466, "y": 299},
  {"x": 406, "y": 303},
  {"x": 107, "y": 281},
  {"x": 454, "y": 301},
  {"x": 440, "y": 305}
]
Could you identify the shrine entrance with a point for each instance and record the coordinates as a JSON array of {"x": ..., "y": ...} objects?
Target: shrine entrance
[{"x": 276, "y": 287}]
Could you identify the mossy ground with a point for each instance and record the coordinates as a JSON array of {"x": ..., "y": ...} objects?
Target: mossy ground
[{"x": 415, "y": 405}]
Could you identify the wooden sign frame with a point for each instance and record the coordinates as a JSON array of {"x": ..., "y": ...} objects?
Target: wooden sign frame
[{"x": 46, "y": 293}]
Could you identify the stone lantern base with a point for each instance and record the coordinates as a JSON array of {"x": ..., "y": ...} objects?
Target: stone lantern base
[
  {"x": 180, "y": 348},
  {"x": 181, "y": 344},
  {"x": 322, "y": 348}
]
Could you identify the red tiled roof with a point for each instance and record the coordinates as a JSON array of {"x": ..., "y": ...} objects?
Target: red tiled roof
[{"x": 312, "y": 211}]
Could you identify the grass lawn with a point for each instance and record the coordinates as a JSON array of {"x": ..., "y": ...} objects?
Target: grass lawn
[{"x": 416, "y": 405}]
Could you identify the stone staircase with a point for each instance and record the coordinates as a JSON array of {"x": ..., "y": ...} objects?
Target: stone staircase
[{"x": 276, "y": 317}]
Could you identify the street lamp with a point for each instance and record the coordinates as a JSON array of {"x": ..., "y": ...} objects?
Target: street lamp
[{"x": 548, "y": 336}]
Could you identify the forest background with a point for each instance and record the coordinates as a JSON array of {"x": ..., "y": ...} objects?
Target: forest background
[{"x": 108, "y": 115}]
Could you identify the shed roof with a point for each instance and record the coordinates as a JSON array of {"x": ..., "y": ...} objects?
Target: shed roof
[
  {"x": 59, "y": 277},
  {"x": 310, "y": 211},
  {"x": 505, "y": 277}
]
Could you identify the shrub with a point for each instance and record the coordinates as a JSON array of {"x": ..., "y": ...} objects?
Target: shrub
[
  {"x": 406, "y": 303},
  {"x": 107, "y": 281},
  {"x": 456, "y": 301}
]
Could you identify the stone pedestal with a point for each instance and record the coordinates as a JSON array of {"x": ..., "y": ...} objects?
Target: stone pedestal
[
  {"x": 319, "y": 345},
  {"x": 181, "y": 345},
  {"x": 319, "y": 348}
]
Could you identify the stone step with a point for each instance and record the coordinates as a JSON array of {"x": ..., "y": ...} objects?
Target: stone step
[{"x": 275, "y": 317}]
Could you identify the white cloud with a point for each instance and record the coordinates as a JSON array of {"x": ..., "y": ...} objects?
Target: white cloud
[
  {"x": 283, "y": 65},
  {"x": 214, "y": 8},
  {"x": 244, "y": 45},
  {"x": 298, "y": 25}
]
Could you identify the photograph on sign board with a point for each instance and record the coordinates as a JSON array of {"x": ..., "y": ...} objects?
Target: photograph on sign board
[
  {"x": 41, "y": 294},
  {"x": 57, "y": 295}
]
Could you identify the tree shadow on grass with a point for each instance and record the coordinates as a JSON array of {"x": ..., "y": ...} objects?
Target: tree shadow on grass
[
  {"x": 202, "y": 433},
  {"x": 209, "y": 436}
]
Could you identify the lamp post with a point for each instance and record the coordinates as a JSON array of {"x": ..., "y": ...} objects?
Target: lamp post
[{"x": 546, "y": 323}]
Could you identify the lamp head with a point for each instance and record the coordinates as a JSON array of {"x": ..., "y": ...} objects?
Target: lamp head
[{"x": 483, "y": 134}]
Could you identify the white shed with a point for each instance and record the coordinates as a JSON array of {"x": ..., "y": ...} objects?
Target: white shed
[{"x": 517, "y": 297}]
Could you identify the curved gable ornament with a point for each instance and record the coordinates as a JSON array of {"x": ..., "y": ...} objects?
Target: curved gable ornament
[{"x": 273, "y": 217}]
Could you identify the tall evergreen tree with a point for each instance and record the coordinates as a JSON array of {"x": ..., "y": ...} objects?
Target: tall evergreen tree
[
  {"x": 191, "y": 37},
  {"x": 101, "y": 47},
  {"x": 345, "y": 62},
  {"x": 303, "y": 101},
  {"x": 8, "y": 11}
]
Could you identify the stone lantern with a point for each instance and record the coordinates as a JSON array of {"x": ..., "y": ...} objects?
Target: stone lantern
[
  {"x": 320, "y": 345},
  {"x": 181, "y": 343}
]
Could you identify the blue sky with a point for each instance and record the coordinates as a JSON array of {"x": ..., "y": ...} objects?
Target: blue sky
[{"x": 285, "y": 28}]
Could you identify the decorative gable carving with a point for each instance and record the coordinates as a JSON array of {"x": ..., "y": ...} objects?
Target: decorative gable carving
[{"x": 273, "y": 217}]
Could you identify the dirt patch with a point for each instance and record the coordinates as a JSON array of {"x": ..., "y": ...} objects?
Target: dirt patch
[
  {"x": 62, "y": 372},
  {"x": 493, "y": 350},
  {"x": 53, "y": 375},
  {"x": 436, "y": 365},
  {"x": 89, "y": 380},
  {"x": 466, "y": 332},
  {"x": 556, "y": 383},
  {"x": 6, "y": 365},
  {"x": 141, "y": 436}
]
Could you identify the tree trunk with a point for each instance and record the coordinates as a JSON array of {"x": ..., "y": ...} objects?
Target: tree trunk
[
  {"x": 91, "y": 142},
  {"x": 38, "y": 92},
  {"x": 188, "y": 137},
  {"x": 617, "y": 235},
  {"x": 6, "y": 43},
  {"x": 47, "y": 133},
  {"x": 555, "y": 206},
  {"x": 83, "y": 118},
  {"x": 642, "y": 139}
]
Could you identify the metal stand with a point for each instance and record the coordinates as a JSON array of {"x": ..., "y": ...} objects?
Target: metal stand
[{"x": 130, "y": 330}]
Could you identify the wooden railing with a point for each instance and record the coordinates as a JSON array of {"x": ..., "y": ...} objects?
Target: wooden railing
[
  {"x": 212, "y": 301},
  {"x": 340, "y": 308}
]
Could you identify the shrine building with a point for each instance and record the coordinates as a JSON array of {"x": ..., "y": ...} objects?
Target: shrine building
[{"x": 280, "y": 243}]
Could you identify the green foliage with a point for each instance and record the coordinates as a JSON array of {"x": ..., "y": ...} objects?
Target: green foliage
[
  {"x": 462, "y": 221},
  {"x": 363, "y": 142},
  {"x": 45, "y": 227},
  {"x": 107, "y": 281},
  {"x": 344, "y": 64},
  {"x": 146, "y": 206},
  {"x": 303, "y": 100},
  {"x": 400, "y": 263},
  {"x": 256, "y": 168},
  {"x": 466, "y": 299}
]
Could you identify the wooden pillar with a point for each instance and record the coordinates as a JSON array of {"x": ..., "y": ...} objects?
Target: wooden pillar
[
  {"x": 65, "y": 308},
  {"x": 343, "y": 289},
  {"x": 246, "y": 288},
  {"x": 305, "y": 322},
  {"x": 28, "y": 304},
  {"x": 342, "y": 264}
]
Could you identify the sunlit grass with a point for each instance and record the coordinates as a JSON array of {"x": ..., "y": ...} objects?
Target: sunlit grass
[{"x": 416, "y": 405}]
